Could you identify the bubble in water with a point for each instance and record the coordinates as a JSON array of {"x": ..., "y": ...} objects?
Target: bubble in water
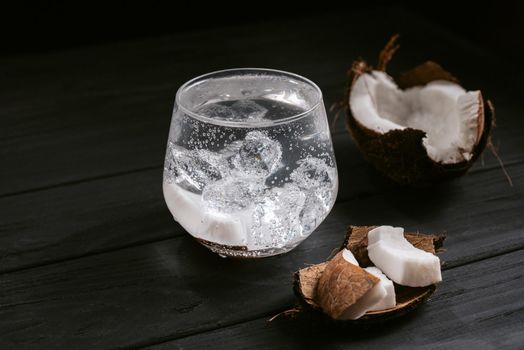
[
  {"x": 232, "y": 194},
  {"x": 313, "y": 173},
  {"x": 217, "y": 111},
  {"x": 250, "y": 110},
  {"x": 189, "y": 169},
  {"x": 276, "y": 219},
  {"x": 259, "y": 155}
]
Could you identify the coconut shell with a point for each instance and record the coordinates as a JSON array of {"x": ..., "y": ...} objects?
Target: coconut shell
[
  {"x": 400, "y": 154},
  {"x": 307, "y": 280},
  {"x": 341, "y": 285}
]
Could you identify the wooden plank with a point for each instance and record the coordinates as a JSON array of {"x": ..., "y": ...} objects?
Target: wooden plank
[
  {"x": 358, "y": 178},
  {"x": 95, "y": 216},
  {"x": 97, "y": 111},
  {"x": 66, "y": 222},
  {"x": 173, "y": 288},
  {"x": 89, "y": 113},
  {"x": 479, "y": 213},
  {"x": 478, "y": 306}
]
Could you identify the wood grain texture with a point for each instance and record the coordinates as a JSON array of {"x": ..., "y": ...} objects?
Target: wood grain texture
[
  {"x": 110, "y": 213},
  {"x": 172, "y": 288},
  {"x": 477, "y": 306},
  {"x": 48, "y": 140},
  {"x": 92, "y": 259},
  {"x": 116, "y": 212},
  {"x": 98, "y": 111}
]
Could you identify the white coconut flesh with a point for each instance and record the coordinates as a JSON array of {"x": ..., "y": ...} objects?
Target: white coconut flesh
[
  {"x": 389, "y": 300},
  {"x": 402, "y": 262},
  {"x": 448, "y": 114},
  {"x": 211, "y": 226},
  {"x": 349, "y": 257},
  {"x": 380, "y": 297}
]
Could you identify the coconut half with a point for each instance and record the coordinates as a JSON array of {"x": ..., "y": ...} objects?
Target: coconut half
[
  {"x": 419, "y": 129},
  {"x": 306, "y": 285}
]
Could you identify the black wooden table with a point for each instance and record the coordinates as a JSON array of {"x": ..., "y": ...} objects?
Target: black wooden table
[{"x": 91, "y": 258}]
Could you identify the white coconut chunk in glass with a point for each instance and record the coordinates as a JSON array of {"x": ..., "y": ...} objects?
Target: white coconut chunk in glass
[
  {"x": 213, "y": 226},
  {"x": 389, "y": 299},
  {"x": 403, "y": 263},
  {"x": 448, "y": 114}
]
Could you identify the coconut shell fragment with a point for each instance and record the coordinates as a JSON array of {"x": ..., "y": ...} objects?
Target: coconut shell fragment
[
  {"x": 402, "y": 154},
  {"x": 341, "y": 285},
  {"x": 312, "y": 285}
]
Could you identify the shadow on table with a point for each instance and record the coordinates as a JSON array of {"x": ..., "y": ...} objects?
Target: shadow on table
[
  {"x": 308, "y": 331},
  {"x": 387, "y": 203},
  {"x": 370, "y": 191},
  {"x": 226, "y": 289}
]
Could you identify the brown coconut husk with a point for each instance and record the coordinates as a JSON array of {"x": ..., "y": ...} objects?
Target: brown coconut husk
[
  {"x": 306, "y": 281},
  {"x": 341, "y": 284},
  {"x": 400, "y": 154}
]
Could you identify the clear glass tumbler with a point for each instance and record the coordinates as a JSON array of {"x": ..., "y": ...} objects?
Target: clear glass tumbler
[{"x": 249, "y": 169}]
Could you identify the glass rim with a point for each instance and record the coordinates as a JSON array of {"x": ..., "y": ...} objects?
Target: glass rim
[{"x": 248, "y": 124}]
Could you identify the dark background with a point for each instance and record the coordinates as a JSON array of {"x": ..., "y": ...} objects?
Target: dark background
[
  {"x": 90, "y": 257},
  {"x": 28, "y": 27}
]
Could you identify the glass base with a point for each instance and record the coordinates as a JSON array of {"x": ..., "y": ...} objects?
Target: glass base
[{"x": 226, "y": 251}]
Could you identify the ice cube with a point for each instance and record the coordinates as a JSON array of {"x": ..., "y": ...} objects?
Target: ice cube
[
  {"x": 276, "y": 220},
  {"x": 247, "y": 109},
  {"x": 217, "y": 111},
  {"x": 189, "y": 169},
  {"x": 313, "y": 212},
  {"x": 231, "y": 148},
  {"x": 218, "y": 160},
  {"x": 313, "y": 173},
  {"x": 259, "y": 155},
  {"x": 232, "y": 194}
]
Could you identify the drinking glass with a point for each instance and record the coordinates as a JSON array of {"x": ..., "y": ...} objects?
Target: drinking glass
[{"x": 249, "y": 168}]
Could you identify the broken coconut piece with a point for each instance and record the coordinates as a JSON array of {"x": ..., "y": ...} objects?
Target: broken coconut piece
[
  {"x": 405, "y": 264},
  {"x": 389, "y": 300},
  {"x": 357, "y": 242},
  {"x": 424, "y": 129},
  {"x": 446, "y": 112},
  {"x": 345, "y": 291},
  {"x": 384, "y": 288},
  {"x": 407, "y": 298},
  {"x": 207, "y": 227},
  {"x": 349, "y": 257}
]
